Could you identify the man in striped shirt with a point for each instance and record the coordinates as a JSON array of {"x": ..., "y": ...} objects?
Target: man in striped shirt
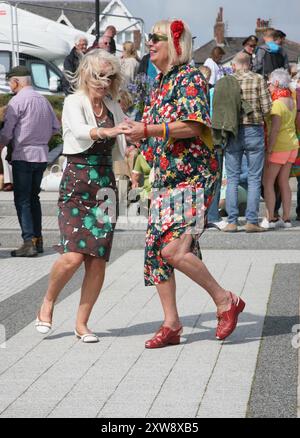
[{"x": 29, "y": 123}]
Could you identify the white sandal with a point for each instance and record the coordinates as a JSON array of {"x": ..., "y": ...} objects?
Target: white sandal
[
  {"x": 87, "y": 338},
  {"x": 42, "y": 327}
]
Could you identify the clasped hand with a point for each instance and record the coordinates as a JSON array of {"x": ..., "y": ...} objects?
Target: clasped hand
[{"x": 134, "y": 131}]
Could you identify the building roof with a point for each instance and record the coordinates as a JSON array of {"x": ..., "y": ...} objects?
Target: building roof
[
  {"x": 82, "y": 21},
  {"x": 233, "y": 45}
]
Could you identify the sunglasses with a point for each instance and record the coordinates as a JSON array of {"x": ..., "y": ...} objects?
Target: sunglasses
[
  {"x": 110, "y": 77},
  {"x": 155, "y": 37}
]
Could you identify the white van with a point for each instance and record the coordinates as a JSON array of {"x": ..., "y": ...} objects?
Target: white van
[{"x": 36, "y": 42}]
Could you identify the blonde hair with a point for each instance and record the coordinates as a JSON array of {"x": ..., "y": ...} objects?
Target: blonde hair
[
  {"x": 129, "y": 49},
  {"x": 206, "y": 71},
  {"x": 90, "y": 69},
  {"x": 164, "y": 27},
  {"x": 269, "y": 32}
]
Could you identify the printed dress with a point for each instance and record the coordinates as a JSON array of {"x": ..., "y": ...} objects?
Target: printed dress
[
  {"x": 185, "y": 171},
  {"x": 88, "y": 200}
]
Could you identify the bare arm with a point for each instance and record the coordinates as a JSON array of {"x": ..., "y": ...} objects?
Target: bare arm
[
  {"x": 298, "y": 121},
  {"x": 275, "y": 128},
  {"x": 136, "y": 130},
  {"x": 97, "y": 133},
  {"x": 135, "y": 179}
]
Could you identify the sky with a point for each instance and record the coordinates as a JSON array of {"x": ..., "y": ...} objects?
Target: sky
[{"x": 239, "y": 15}]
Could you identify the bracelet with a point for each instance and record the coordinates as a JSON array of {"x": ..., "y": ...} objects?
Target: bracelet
[
  {"x": 164, "y": 130},
  {"x": 167, "y": 131},
  {"x": 99, "y": 135},
  {"x": 145, "y": 130}
]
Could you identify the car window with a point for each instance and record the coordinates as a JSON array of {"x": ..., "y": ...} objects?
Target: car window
[
  {"x": 4, "y": 66},
  {"x": 39, "y": 75},
  {"x": 4, "y": 62}
]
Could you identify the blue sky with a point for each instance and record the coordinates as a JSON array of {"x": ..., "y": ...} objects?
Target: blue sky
[{"x": 240, "y": 15}]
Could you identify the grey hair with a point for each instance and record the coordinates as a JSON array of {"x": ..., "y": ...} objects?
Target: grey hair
[
  {"x": 80, "y": 37},
  {"x": 24, "y": 80},
  {"x": 241, "y": 61},
  {"x": 281, "y": 76}
]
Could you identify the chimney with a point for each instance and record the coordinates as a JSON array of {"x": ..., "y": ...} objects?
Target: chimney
[
  {"x": 137, "y": 38},
  {"x": 261, "y": 26},
  {"x": 219, "y": 29}
]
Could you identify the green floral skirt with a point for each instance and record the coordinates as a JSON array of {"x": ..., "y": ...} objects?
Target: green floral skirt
[{"x": 87, "y": 206}]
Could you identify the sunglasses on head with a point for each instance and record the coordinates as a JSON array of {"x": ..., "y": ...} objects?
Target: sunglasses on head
[{"x": 155, "y": 37}]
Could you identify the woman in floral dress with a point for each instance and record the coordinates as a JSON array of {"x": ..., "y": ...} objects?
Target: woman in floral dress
[
  {"x": 175, "y": 139},
  {"x": 92, "y": 130}
]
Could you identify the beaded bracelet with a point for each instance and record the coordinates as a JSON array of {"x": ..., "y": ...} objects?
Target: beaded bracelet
[
  {"x": 167, "y": 131},
  {"x": 145, "y": 130},
  {"x": 99, "y": 135}
]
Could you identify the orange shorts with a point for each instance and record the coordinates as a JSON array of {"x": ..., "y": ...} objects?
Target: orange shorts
[{"x": 284, "y": 157}]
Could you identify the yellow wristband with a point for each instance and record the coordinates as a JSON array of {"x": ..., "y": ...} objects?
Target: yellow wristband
[{"x": 164, "y": 130}]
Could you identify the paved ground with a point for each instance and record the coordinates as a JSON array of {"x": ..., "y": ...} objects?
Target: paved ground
[
  {"x": 58, "y": 376},
  {"x": 252, "y": 374}
]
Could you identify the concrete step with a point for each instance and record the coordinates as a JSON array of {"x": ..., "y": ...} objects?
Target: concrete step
[
  {"x": 211, "y": 239},
  {"x": 49, "y": 208}
]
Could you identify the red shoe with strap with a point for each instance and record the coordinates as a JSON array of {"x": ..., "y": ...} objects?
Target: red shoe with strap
[
  {"x": 164, "y": 337},
  {"x": 227, "y": 321}
]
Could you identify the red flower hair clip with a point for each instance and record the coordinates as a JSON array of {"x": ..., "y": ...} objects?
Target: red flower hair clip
[{"x": 177, "y": 28}]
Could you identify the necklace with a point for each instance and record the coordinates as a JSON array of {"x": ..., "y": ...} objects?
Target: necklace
[{"x": 101, "y": 111}]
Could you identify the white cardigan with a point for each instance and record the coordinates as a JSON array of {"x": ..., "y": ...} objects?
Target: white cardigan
[{"x": 78, "y": 119}]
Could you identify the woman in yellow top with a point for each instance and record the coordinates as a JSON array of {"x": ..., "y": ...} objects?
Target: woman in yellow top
[{"x": 282, "y": 146}]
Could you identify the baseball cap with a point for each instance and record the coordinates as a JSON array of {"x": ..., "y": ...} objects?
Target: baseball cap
[{"x": 19, "y": 71}]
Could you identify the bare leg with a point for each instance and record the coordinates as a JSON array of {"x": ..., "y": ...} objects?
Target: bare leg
[
  {"x": 270, "y": 174},
  {"x": 62, "y": 271},
  {"x": 178, "y": 254},
  {"x": 91, "y": 287},
  {"x": 285, "y": 190},
  {"x": 167, "y": 295}
]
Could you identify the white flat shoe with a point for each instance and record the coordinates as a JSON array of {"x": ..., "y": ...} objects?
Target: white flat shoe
[
  {"x": 42, "y": 327},
  {"x": 88, "y": 338}
]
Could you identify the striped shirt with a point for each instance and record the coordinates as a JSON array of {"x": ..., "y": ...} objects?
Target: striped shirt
[
  {"x": 255, "y": 92},
  {"x": 29, "y": 122}
]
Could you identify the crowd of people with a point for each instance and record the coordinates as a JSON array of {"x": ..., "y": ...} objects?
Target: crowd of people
[{"x": 201, "y": 131}]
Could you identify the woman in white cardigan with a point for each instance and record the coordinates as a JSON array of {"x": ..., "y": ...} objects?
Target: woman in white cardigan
[{"x": 93, "y": 132}]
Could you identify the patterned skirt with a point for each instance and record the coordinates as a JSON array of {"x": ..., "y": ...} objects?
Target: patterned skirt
[
  {"x": 87, "y": 206},
  {"x": 173, "y": 213}
]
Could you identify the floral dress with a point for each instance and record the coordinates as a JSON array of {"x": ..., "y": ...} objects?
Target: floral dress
[
  {"x": 185, "y": 170},
  {"x": 88, "y": 200}
]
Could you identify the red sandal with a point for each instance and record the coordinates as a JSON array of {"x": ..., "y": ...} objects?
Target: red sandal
[
  {"x": 164, "y": 337},
  {"x": 227, "y": 321}
]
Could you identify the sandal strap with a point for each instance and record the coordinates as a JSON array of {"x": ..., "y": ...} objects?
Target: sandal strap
[{"x": 39, "y": 323}]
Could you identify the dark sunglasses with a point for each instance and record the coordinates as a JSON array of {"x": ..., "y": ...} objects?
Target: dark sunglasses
[
  {"x": 252, "y": 46},
  {"x": 111, "y": 77},
  {"x": 155, "y": 37}
]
